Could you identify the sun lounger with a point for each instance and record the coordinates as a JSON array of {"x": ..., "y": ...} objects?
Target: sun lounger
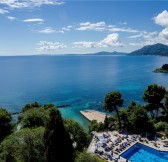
[
  {"x": 107, "y": 148},
  {"x": 115, "y": 152},
  {"x": 112, "y": 158},
  {"x": 104, "y": 157},
  {"x": 101, "y": 152},
  {"x": 106, "y": 135}
]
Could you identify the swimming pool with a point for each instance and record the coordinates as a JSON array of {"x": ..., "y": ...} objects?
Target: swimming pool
[{"x": 142, "y": 153}]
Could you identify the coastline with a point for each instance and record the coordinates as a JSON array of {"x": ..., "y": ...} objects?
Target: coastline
[
  {"x": 160, "y": 71},
  {"x": 163, "y": 69}
]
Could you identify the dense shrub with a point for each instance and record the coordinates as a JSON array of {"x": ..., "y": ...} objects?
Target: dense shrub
[
  {"x": 87, "y": 157},
  {"x": 25, "y": 145},
  {"x": 80, "y": 138},
  {"x": 34, "y": 118},
  {"x": 96, "y": 126},
  {"x": 160, "y": 126}
]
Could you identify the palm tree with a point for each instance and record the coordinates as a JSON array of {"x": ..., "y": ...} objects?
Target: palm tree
[{"x": 112, "y": 101}]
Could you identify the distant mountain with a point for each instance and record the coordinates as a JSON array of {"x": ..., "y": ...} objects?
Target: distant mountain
[
  {"x": 110, "y": 53},
  {"x": 152, "y": 50},
  {"x": 156, "y": 49}
]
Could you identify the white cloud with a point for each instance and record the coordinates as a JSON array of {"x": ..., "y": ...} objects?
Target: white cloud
[
  {"x": 124, "y": 23},
  {"x": 84, "y": 44},
  {"x": 67, "y": 28},
  {"x": 29, "y": 3},
  {"x": 50, "y": 46},
  {"x": 99, "y": 26},
  {"x": 111, "y": 26},
  {"x": 33, "y": 20},
  {"x": 162, "y": 18},
  {"x": 135, "y": 36},
  {"x": 2, "y": 11},
  {"x": 47, "y": 30},
  {"x": 144, "y": 34},
  {"x": 116, "y": 29},
  {"x": 11, "y": 18},
  {"x": 153, "y": 38},
  {"x": 137, "y": 44},
  {"x": 112, "y": 40},
  {"x": 163, "y": 35},
  {"x": 154, "y": 33}
]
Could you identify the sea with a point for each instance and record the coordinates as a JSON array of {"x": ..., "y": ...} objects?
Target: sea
[{"x": 82, "y": 81}]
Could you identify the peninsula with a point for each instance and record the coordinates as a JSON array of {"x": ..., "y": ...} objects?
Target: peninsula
[{"x": 163, "y": 69}]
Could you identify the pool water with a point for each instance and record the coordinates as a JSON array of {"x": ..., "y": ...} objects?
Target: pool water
[{"x": 142, "y": 153}]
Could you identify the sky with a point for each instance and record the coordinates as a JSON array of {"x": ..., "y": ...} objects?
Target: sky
[{"x": 32, "y": 27}]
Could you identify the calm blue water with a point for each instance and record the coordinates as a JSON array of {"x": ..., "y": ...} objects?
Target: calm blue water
[
  {"x": 81, "y": 81},
  {"x": 142, "y": 153}
]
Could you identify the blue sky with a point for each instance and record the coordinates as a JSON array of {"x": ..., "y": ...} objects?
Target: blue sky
[{"x": 60, "y": 27}]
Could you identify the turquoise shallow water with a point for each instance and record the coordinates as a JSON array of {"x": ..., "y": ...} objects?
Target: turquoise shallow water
[{"x": 81, "y": 81}]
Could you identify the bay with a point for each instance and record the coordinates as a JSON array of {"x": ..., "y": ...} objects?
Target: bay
[{"x": 79, "y": 80}]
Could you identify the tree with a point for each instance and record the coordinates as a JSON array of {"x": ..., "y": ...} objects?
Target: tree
[
  {"x": 154, "y": 94},
  {"x": 58, "y": 145},
  {"x": 96, "y": 126},
  {"x": 34, "y": 118},
  {"x": 106, "y": 122},
  {"x": 113, "y": 122},
  {"x": 165, "y": 67},
  {"x": 78, "y": 135},
  {"x": 131, "y": 107},
  {"x": 30, "y": 106},
  {"x": 87, "y": 157},
  {"x": 160, "y": 126},
  {"x": 5, "y": 125},
  {"x": 26, "y": 145},
  {"x": 138, "y": 120},
  {"x": 166, "y": 130},
  {"x": 48, "y": 106},
  {"x": 112, "y": 101},
  {"x": 124, "y": 118},
  {"x": 166, "y": 103},
  {"x": 166, "y": 99}
]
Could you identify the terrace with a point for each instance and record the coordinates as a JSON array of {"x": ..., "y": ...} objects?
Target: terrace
[{"x": 111, "y": 145}]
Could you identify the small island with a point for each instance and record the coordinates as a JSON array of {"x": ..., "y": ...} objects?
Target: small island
[{"x": 163, "y": 69}]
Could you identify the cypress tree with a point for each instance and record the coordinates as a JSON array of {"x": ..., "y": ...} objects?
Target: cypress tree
[
  {"x": 58, "y": 145},
  {"x": 5, "y": 125},
  {"x": 106, "y": 123}
]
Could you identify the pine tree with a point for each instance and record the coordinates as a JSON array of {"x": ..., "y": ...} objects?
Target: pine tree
[
  {"x": 58, "y": 145},
  {"x": 111, "y": 103}
]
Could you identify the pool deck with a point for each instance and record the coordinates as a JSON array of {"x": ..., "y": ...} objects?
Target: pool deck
[
  {"x": 158, "y": 145},
  {"x": 93, "y": 115}
]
